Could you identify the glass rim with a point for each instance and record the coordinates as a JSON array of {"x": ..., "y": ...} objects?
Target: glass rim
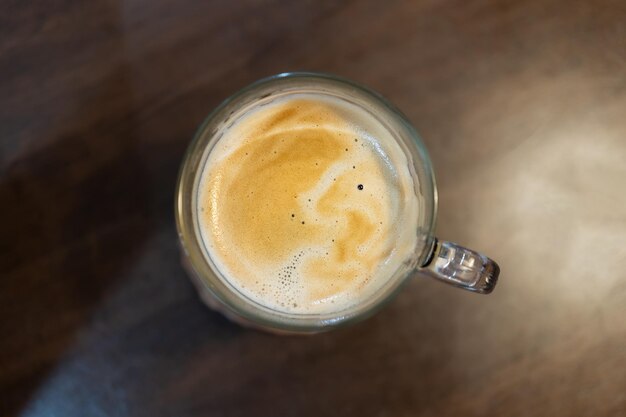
[{"x": 228, "y": 295}]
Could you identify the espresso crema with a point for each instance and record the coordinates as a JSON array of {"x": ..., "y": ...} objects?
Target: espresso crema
[{"x": 306, "y": 204}]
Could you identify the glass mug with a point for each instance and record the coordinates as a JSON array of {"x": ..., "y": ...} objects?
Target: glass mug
[{"x": 445, "y": 261}]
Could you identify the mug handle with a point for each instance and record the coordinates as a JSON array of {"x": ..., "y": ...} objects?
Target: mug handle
[{"x": 461, "y": 267}]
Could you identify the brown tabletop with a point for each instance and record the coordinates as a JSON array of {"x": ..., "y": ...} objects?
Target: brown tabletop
[{"x": 521, "y": 104}]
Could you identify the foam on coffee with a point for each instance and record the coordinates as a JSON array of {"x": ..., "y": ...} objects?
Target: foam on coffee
[{"x": 306, "y": 204}]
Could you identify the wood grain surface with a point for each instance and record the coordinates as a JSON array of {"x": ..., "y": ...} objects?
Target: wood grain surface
[{"x": 521, "y": 104}]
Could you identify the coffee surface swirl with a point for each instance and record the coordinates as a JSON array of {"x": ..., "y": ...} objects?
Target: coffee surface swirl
[{"x": 306, "y": 204}]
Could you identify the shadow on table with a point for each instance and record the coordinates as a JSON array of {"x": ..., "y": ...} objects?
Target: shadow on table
[{"x": 76, "y": 214}]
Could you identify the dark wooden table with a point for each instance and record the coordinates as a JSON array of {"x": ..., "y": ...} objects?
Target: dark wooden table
[{"x": 522, "y": 105}]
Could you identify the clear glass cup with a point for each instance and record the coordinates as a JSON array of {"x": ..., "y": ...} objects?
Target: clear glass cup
[{"x": 445, "y": 261}]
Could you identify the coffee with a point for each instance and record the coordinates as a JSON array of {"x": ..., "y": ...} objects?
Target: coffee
[{"x": 306, "y": 204}]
